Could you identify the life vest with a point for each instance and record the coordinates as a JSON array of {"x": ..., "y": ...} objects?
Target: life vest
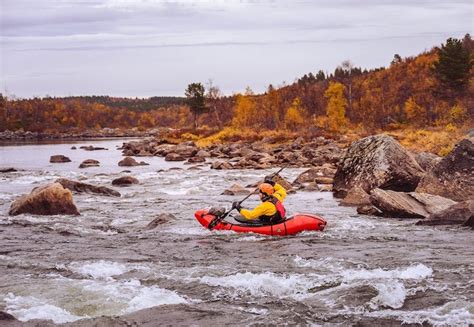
[{"x": 279, "y": 214}]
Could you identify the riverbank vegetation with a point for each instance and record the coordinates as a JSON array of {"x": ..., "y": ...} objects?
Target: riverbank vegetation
[{"x": 425, "y": 101}]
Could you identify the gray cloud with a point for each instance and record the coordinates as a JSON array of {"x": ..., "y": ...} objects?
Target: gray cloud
[{"x": 100, "y": 38}]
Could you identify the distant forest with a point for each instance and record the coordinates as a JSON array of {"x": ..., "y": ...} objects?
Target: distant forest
[{"x": 435, "y": 88}]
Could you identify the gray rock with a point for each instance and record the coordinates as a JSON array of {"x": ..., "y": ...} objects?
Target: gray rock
[
  {"x": 50, "y": 199},
  {"x": 125, "y": 181},
  {"x": 453, "y": 176},
  {"x": 8, "y": 170},
  {"x": 368, "y": 209},
  {"x": 174, "y": 157},
  {"x": 356, "y": 196},
  {"x": 377, "y": 162},
  {"x": 59, "y": 158},
  {"x": 80, "y": 187},
  {"x": 457, "y": 214},
  {"x": 408, "y": 205},
  {"x": 427, "y": 160}
]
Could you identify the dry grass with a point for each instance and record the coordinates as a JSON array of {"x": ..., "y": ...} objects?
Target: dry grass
[{"x": 438, "y": 140}]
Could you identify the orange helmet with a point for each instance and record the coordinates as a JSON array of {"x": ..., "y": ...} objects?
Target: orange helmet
[{"x": 266, "y": 188}]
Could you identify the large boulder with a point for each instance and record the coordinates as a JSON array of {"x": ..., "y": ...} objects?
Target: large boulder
[
  {"x": 377, "y": 162},
  {"x": 59, "y": 158},
  {"x": 408, "y": 205},
  {"x": 130, "y": 162},
  {"x": 457, "y": 214},
  {"x": 125, "y": 181},
  {"x": 50, "y": 199},
  {"x": 80, "y": 187},
  {"x": 453, "y": 176},
  {"x": 89, "y": 163}
]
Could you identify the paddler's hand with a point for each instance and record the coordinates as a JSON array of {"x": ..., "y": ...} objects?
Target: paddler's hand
[{"x": 236, "y": 206}]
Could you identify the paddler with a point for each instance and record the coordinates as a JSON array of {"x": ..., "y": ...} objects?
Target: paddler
[{"x": 271, "y": 210}]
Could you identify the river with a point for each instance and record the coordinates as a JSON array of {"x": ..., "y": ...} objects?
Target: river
[{"x": 361, "y": 270}]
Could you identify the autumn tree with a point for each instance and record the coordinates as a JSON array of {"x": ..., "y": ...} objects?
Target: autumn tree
[
  {"x": 213, "y": 101},
  {"x": 196, "y": 100},
  {"x": 294, "y": 117},
  {"x": 454, "y": 64},
  {"x": 415, "y": 113},
  {"x": 245, "y": 113},
  {"x": 336, "y": 107}
]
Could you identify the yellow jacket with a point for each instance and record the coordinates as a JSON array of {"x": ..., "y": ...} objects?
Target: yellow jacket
[{"x": 265, "y": 208}]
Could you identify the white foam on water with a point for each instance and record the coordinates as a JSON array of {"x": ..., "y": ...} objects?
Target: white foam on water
[
  {"x": 251, "y": 238},
  {"x": 391, "y": 294},
  {"x": 26, "y": 308},
  {"x": 328, "y": 263},
  {"x": 262, "y": 284},
  {"x": 103, "y": 269},
  {"x": 458, "y": 313},
  {"x": 255, "y": 311},
  {"x": 132, "y": 294},
  {"x": 418, "y": 271}
]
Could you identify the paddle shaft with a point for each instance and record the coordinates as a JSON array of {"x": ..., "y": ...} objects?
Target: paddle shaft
[{"x": 216, "y": 220}]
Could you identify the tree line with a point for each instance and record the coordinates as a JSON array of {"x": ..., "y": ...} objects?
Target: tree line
[{"x": 432, "y": 89}]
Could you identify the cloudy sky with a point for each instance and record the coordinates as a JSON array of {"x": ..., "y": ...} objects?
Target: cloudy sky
[{"x": 155, "y": 47}]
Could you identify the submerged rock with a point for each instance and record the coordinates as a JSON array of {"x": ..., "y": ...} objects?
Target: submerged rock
[
  {"x": 377, "y": 162},
  {"x": 50, "y": 199},
  {"x": 89, "y": 163},
  {"x": 408, "y": 205},
  {"x": 86, "y": 188},
  {"x": 59, "y": 158},
  {"x": 125, "y": 181},
  {"x": 92, "y": 148},
  {"x": 161, "y": 219},
  {"x": 236, "y": 189},
  {"x": 457, "y": 214},
  {"x": 453, "y": 176}
]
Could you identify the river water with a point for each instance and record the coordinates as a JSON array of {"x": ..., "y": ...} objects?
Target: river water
[{"x": 360, "y": 270}]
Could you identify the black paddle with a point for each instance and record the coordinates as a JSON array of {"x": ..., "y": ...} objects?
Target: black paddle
[{"x": 218, "y": 219}]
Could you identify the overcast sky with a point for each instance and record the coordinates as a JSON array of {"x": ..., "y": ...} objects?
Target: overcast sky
[{"x": 151, "y": 47}]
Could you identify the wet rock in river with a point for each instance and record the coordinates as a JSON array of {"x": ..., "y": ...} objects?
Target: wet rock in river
[
  {"x": 174, "y": 157},
  {"x": 356, "y": 196},
  {"x": 131, "y": 162},
  {"x": 457, "y": 214},
  {"x": 92, "y": 148},
  {"x": 6, "y": 316},
  {"x": 221, "y": 165},
  {"x": 408, "y": 205},
  {"x": 89, "y": 163},
  {"x": 80, "y": 187},
  {"x": 161, "y": 219},
  {"x": 196, "y": 159},
  {"x": 324, "y": 180},
  {"x": 125, "y": 181},
  {"x": 236, "y": 189},
  {"x": 453, "y": 176},
  {"x": 377, "y": 162},
  {"x": 59, "y": 158},
  {"x": 73, "y": 148},
  {"x": 50, "y": 199},
  {"x": 368, "y": 209},
  {"x": 203, "y": 154},
  {"x": 8, "y": 170}
]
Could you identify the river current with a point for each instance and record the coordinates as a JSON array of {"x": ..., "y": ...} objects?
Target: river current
[{"x": 361, "y": 270}]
